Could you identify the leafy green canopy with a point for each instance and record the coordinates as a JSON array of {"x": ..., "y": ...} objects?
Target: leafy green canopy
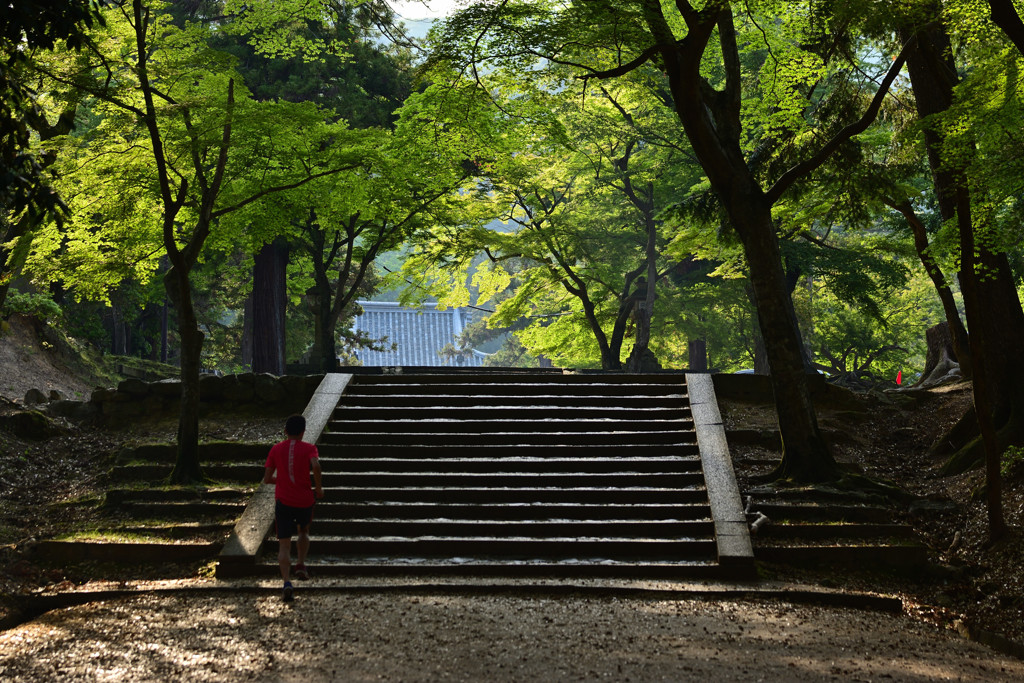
[{"x": 108, "y": 168}]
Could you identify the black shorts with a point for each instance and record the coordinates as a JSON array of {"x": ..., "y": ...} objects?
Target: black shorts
[{"x": 290, "y": 520}]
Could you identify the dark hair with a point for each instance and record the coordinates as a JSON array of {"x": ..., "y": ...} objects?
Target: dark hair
[{"x": 295, "y": 425}]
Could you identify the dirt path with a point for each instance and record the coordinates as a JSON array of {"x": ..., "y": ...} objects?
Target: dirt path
[{"x": 425, "y": 636}]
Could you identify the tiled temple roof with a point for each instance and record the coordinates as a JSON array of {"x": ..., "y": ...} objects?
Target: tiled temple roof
[{"x": 420, "y": 333}]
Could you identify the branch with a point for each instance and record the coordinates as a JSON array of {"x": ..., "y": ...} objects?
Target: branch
[
  {"x": 280, "y": 188},
  {"x": 1005, "y": 17},
  {"x": 624, "y": 69},
  {"x": 814, "y": 239},
  {"x": 193, "y": 139},
  {"x": 875, "y": 354},
  {"x": 807, "y": 166}
]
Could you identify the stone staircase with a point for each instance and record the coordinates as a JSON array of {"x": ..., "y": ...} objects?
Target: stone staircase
[{"x": 512, "y": 473}]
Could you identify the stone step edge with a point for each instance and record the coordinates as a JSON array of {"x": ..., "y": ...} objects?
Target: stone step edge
[
  {"x": 703, "y": 571},
  {"x": 124, "y": 552},
  {"x": 889, "y": 555},
  {"x": 522, "y": 540}
]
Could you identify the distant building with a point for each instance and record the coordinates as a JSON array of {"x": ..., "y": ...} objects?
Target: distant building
[{"x": 419, "y": 331}]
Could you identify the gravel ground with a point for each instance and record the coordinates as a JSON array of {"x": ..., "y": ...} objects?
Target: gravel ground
[{"x": 423, "y": 635}]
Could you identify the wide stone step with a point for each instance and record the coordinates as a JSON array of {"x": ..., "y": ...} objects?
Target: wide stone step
[
  {"x": 519, "y": 495},
  {"x": 386, "y": 528},
  {"x": 470, "y": 438},
  {"x": 453, "y": 425},
  {"x": 486, "y": 473},
  {"x": 328, "y": 510},
  {"x": 504, "y": 378},
  {"x": 418, "y": 400},
  {"x": 454, "y": 451},
  {"x": 519, "y": 548},
  {"x": 521, "y": 389},
  {"x": 469, "y": 567},
  {"x": 336, "y": 465},
  {"x": 513, "y": 414},
  {"x": 611, "y": 480}
]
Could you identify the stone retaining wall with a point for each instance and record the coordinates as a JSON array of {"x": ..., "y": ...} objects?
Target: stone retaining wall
[{"x": 133, "y": 398}]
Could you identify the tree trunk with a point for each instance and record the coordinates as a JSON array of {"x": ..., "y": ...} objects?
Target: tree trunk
[
  {"x": 805, "y": 456},
  {"x": 940, "y": 356},
  {"x": 994, "y": 314},
  {"x": 639, "y": 358},
  {"x": 329, "y": 338},
  {"x": 179, "y": 290},
  {"x": 1005, "y": 16},
  {"x": 932, "y": 77},
  {"x": 714, "y": 128},
  {"x": 325, "y": 353},
  {"x": 993, "y": 399},
  {"x": 697, "y": 355},
  {"x": 760, "y": 353},
  {"x": 269, "y": 303},
  {"x": 163, "y": 331},
  {"x": 247, "y": 332},
  {"x": 610, "y": 352},
  {"x": 11, "y": 260}
]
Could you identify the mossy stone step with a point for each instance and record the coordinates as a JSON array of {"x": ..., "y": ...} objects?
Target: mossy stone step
[
  {"x": 183, "y": 510},
  {"x": 249, "y": 472},
  {"x": 177, "y": 531},
  {"x": 123, "y": 552},
  {"x": 179, "y": 495},
  {"x": 835, "y": 531},
  {"x": 215, "y": 452},
  {"x": 823, "y": 512},
  {"x": 866, "y": 556}
]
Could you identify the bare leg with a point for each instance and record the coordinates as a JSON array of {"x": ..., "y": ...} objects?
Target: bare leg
[
  {"x": 284, "y": 559},
  {"x": 302, "y": 543}
]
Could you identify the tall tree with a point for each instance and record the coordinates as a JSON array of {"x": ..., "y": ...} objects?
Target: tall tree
[
  {"x": 364, "y": 86},
  {"x": 26, "y": 195},
  {"x": 208, "y": 151},
  {"x": 697, "y": 48},
  {"x": 575, "y": 176},
  {"x": 993, "y": 309}
]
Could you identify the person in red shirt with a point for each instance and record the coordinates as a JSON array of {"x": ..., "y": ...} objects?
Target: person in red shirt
[{"x": 288, "y": 467}]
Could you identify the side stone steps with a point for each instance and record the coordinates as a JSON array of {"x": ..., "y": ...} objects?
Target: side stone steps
[
  {"x": 486, "y": 473},
  {"x": 168, "y": 510},
  {"x": 799, "y": 529},
  {"x": 250, "y": 473}
]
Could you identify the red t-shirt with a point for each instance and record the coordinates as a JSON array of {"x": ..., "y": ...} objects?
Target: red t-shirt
[{"x": 291, "y": 458}]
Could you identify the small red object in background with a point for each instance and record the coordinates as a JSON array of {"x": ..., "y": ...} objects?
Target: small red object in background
[{"x": 899, "y": 377}]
